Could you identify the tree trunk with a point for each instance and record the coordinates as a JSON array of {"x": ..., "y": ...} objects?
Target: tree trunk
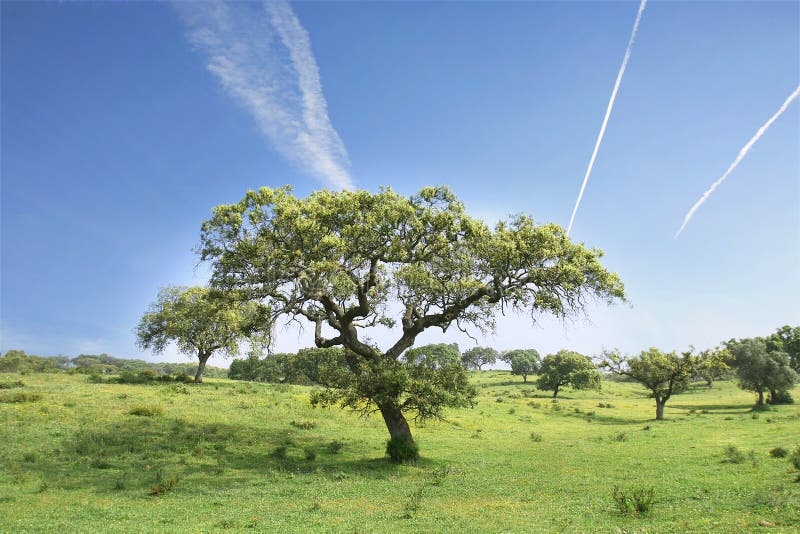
[
  {"x": 555, "y": 392},
  {"x": 525, "y": 378},
  {"x": 660, "y": 409},
  {"x": 399, "y": 431},
  {"x": 760, "y": 401},
  {"x": 772, "y": 396},
  {"x": 201, "y": 367}
]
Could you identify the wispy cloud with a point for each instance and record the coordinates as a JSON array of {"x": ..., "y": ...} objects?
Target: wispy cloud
[
  {"x": 608, "y": 111},
  {"x": 742, "y": 153},
  {"x": 262, "y": 56}
]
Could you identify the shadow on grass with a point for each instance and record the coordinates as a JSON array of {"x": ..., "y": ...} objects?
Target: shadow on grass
[
  {"x": 715, "y": 408},
  {"x": 607, "y": 419},
  {"x": 131, "y": 454}
]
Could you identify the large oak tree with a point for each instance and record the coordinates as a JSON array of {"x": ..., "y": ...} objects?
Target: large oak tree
[{"x": 344, "y": 261}]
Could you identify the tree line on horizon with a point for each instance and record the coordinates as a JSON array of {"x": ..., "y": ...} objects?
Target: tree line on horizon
[{"x": 18, "y": 361}]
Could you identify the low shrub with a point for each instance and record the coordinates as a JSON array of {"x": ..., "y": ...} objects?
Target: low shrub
[
  {"x": 335, "y": 446},
  {"x": 634, "y": 502},
  {"x": 310, "y": 454},
  {"x": 401, "y": 450},
  {"x": 413, "y": 502},
  {"x": 535, "y": 436},
  {"x": 778, "y": 452},
  {"x": 11, "y": 384},
  {"x": 20, "y": 396},
  {"x": 281, "y": 452},
  {"x": 303, "y": 425},
  {"x": 438, "y": 475},
  {"x": 781, "y": 397},
  {"x": 794, "y": 459},
  {"x": 732, "y": 455},
  {"x": 162, "y": 485},
  {"x": 146, "y": 410}
]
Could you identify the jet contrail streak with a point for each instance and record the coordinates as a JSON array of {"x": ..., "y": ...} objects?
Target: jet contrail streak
[
  {"x": 742, "y": 153},
  {"x": 608, "y": 111}
]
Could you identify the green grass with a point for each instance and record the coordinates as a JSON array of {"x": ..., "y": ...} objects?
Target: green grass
[{"x": 76, "y": 459}]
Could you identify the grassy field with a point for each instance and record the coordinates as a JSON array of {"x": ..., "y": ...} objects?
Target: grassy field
[{"x": 85, "y": 457}]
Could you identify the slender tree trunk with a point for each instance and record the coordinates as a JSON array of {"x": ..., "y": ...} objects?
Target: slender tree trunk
[
  {"x": 201, "y": 367},
  {"x": 660, "y": 409},
  {"x": 555, "y": 392},
  {"x": 772, "y": 396},
  {"x": 760, "y": 400},
  {"x": 398, "y": 428},
  {"x": 525, "y": 378}
]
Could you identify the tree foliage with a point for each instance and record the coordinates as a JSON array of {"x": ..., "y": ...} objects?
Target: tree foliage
[
  {"x": 523, "y": 362},
  {"x": 787, "y": 340},
  {"x": 339, "y": 259},
  {"x": 198, "y": 320},
  {"x": 567, "y": 368},
  {"x": 762, "y": 371},
  {"x": 662, "y": 373},
  {"x": 477, "y": 357},
  {"x": 434, "y": 356},
  {"x": 714, "y": 364}
]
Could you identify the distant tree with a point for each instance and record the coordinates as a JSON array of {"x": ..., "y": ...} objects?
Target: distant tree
[
  {"x": 786, "y": 339},
  {"x": 523, "y": 362},
  {"x": 567, "y": 368},
  {"x": 198, "y": 320},
  {"x": 477, "y": 357},
  {"x": 762, "y": 371},
  {"x": 17, "y": 361},
  {"x": 662, "y": 373},
  {"x": 434, "y": 356},
  {"x": 342, "y": 259},
  {"x": 713, "y": 365}
]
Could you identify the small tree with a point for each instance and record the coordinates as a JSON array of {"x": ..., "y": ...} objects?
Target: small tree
[
  {"x": 523, "y": 362},
  {"x": 567, "y": 368},
  {"x": 198, "y": 320},
  {"x": 760, "y": 370},
  {"x": 345, "y": 261},
  {"x": 714, "y": 365},
  {"x": 434, "y": 356},
  {"x": 477, "y": 357},
  {"x": 662, "y": 373}
]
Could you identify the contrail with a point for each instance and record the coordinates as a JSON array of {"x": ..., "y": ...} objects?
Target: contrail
[
  {"x": 608, "y": 110},
  {"x": 742, "y": 153},
  {"x": 262, "y": 56}
]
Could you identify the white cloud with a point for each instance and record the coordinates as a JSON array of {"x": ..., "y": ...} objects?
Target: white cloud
[{"x": 262, "y": 57}]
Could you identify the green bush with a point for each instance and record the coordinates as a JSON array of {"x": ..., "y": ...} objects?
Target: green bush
[
  {"x": 535, "y": 436},
  {"x": 146, "y": 410},
  {"x": 795, "y": 458},
  {"x": 281, "y": 452},
  {"x": 303, "y": 425},
  {"x": 732, "y": 455},
  {"x": 635, "y": 502},
  {"x": 162, "y": 485},
  {"x": 781, "y": 397},
  {"x": 402, "y": 450},
  {"x": 778, "y": 452},
  {"x": 310, "y": 454},
  {"x": 335, "y": 446},
  {"x": 12, "y": 384},
  {"x": 20, "y": 396}
]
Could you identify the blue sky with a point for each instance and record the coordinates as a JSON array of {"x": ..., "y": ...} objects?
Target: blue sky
[{"x": 117, "y": 140}]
